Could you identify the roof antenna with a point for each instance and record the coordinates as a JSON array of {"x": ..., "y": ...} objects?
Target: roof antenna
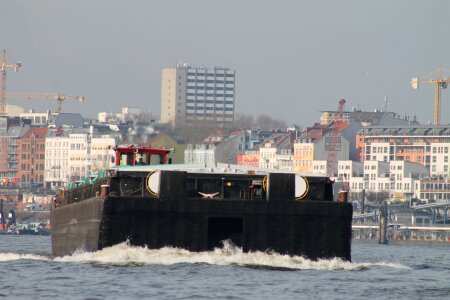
[{"x": 385, "y": 104}]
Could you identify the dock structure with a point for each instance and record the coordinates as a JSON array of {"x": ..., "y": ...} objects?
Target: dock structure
[
  {"x": 397, "y": 232},
  {"x": 428, "y": 223},
  {"x": 382, "y": 232}
]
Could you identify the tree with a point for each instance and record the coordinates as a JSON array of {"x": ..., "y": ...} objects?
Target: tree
[
  {"x": 263, "y": 122},
  {"x": 244, "y": 121},
  {"x": 377, "y": 197},
  {"x": 190, "y": 132}
]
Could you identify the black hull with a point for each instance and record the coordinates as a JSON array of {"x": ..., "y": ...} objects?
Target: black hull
[{"x": 314, "y": 229}]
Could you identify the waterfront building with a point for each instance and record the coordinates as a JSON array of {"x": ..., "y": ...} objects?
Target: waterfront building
[
  {"x": 357, "y": 120},
  {"x": 126, "y": 114},
  {"x": 37, "y": 118},
  {"x": 10, "y": 130},
  {"x": 229, "y": 150},
  {"x": 304, "y": 148},
  {"x": 200, "y": 154},
  {"x": 217, "y": 149},
  {"x": 311, "y": 146},
  {"x": 57, "y": 149},
  {"x": 399, "y": 178},
  {"x": 89, "y": 152},
  {"x": 368, "y": 118},
  {"x": 73, "y": 153},
  {"x": 434, "y": 189},
  {"x": 31, "y": 157},
  {"x": 236, "y": 143},
  {"x": 14, "y": 132},
  {"x": 204, "y": 153},
  {"x": 349, "y": 169},
  {"x": 249, "y": 158},
  {"x": 277, "y": 151},
  {"x": 329, "y": 116},
  {"x": 4, "y": 142},
  {"x": 422, "y": 144},
  {"x": 190, "y": 93}
]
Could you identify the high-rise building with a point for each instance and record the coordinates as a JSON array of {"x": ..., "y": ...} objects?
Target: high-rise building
[{"x": 190, "y": 93}]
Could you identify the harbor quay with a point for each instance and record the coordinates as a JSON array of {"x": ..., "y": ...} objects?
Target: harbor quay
[{"x": 397, "y": 232}]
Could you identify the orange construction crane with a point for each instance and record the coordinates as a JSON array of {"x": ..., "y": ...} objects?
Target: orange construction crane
[
  {"x": 46, "y": 96},
  {"x": 439, "y": 84},
  {"x": 333, "y": 140},
  {"x": 3, "y": 66}
]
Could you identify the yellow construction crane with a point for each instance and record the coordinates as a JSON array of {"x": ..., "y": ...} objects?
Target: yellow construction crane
[
  {"x": 3, "y": 66},
  {"x": 439, "y": 84},
  {"x": 46, "y": 96}
]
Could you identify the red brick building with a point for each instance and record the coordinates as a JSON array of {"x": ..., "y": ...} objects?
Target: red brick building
[{"x": 31, "y": 156}]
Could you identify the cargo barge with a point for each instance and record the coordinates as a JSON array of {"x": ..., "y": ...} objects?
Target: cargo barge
[{"x": 196, "y": 207}]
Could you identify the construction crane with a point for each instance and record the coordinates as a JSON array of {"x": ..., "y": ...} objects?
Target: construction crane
[
  {"x": 46, "y": 96},
  {"x": 439, "y": 84},
  {"x": 3, "y": 67},
  {"x": 333, "y": 140}
]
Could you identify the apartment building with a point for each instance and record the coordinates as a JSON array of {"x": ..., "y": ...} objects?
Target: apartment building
[
  {"x": 57, "y": 158},
  {"x": 277, "y": 152},
  {"x": 37, "y": 118},
  {"x": 422, "y": 144},
  {"x": 73, "y": 153},
  {"x": 399, "y": 178},
  {"x": 4, "y": 142},
  {"x": 11, "y": 165},
  {"x": 200, "y": 154},
  {"x": 88, "y": 152},
  {"x": 434, "y": 189},
  {"x": 126, "y": 114},
  {"x": 31, "y": 156},
  {"x": 312, "y": 146},
  {"x": 219, "y": 149},
  {"x": 190, "y": 93},
  {"x": 250, "y": 158}
]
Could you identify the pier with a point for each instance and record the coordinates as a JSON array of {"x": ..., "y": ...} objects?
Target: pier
[
  {"x": 396, "y": 232},
  {"x": 428, "y": 222}
]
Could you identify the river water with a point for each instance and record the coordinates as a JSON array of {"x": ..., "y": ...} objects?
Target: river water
[{"x": 408, "y": 271}]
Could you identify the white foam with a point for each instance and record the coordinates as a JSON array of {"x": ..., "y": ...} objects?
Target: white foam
[
  {"x": 17, "y": 256},
  {"x": 124, "y": 254}
]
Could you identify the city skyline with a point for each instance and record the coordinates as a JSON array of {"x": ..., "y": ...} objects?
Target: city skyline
[{"x": 291, "y": 60}]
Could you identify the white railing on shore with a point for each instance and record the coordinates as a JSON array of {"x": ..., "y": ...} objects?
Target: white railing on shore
[{"x": 424, "y": 228}]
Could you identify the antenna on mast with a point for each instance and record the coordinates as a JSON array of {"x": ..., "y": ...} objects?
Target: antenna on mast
[{"x": 385, "y": 104}]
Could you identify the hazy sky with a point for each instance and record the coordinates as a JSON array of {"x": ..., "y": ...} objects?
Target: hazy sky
[{"x": 292, "y": 58}]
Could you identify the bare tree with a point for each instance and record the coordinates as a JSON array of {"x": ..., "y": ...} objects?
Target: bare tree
[
  {"x": 263, "y": 122},
  {"x": 191, "y": 132},
  {"x": 244, "y": 121}
]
